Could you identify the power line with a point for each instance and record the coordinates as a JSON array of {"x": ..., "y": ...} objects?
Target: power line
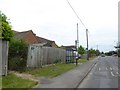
[
  {"x": 76, "y": 14},
  {"x": 84, "y": 26}
]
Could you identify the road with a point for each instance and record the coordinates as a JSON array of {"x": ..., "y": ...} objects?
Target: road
[
  {"x": 101, "y": 72},
  {"x": 70, "y": 79},
  {"x": 103, "y": 75}
]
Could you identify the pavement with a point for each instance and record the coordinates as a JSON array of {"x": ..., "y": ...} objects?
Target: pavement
[{"x": 70, "y": 79}]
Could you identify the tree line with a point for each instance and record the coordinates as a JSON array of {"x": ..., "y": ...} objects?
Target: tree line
[{"x": 91, "y": 52}]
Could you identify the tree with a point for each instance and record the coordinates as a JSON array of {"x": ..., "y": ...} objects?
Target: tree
[
  {"x": 6, "y": 32},
  {"x": 81, "y": 50},
  {"x": 97, "y": 52},
  {"x": 92, "y": 52}
]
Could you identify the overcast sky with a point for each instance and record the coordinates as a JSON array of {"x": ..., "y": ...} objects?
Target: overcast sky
[{"x": 55, "y": 20}]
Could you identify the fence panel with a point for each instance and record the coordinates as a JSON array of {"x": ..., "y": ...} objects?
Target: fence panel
[
  {"x": 3, "y": 56},
  {"x": 39, "y": 55}
]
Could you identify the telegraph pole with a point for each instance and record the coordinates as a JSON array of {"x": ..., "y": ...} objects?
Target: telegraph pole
[
  {"x": 77, "y": 44},
  {"x": 77, "y": 37},
  {"x": 87, "y": 55}
]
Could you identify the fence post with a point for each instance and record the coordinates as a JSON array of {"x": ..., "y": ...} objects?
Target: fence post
[{"x": 41, "y": 55}]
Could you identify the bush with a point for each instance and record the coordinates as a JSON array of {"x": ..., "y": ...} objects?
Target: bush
[
  {"x": 17, "y": 55},
  {"x": 57, "y": 61}
]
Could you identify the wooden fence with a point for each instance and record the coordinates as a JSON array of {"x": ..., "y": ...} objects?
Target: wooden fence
[
  {"x": 3, "y": 57},
  {"x": 39, "y": 55}
]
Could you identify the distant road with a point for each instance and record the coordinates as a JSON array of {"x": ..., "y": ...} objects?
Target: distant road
[{"x": 103, "y": 75}]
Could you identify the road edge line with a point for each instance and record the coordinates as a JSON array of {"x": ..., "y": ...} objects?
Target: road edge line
[{"x": 86, "y": 74}]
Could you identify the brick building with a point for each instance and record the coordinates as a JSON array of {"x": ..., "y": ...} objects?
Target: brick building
[{"x": 31, "y": 38}]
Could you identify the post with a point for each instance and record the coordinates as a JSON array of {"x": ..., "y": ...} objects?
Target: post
[
  {"x": 77, "y": 45},
  {"x": 77, "y": 37},
  {"x": 87, "y": 45}
]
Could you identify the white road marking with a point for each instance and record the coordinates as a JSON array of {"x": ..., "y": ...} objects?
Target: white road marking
[
  {"x": 110, "y": 68},
  {"x": 95, "y": 65},
  {"x": 99, "y": 69},
  {"x": 106, "y": 68},
  {"x": 112, "y": 74},
  {"x": 90, "y": 73},
  {"x": 117, "y": 73}
]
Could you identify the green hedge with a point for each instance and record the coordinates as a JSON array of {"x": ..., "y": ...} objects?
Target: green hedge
[{"x": 17, "y": 55}]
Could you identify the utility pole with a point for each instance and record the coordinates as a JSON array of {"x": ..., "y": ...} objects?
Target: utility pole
[
  {"x": 77, "y": 44},
  {"x": 97, "y": 47},
  {"x": 87, "y": 45},
  {"x": 77, "y": 37}
]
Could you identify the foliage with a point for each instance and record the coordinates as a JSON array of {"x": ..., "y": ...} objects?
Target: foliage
[
  {"x": 0, "y": 82},
  {"x": 82, "y": 60},
  {"x": 81, "y": 50},
  {"x": 12, "y": 81},
  {"x": 5, "y": 28},
  {"x": 57, "y": 61},
  {"x": 110, "y": 53},
  {"x": 17, "y": 55},
  {"x": 97, "y": 52},
  {"x": 92, "y": 52}
]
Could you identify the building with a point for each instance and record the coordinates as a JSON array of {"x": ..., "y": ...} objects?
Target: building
[
  {"x": 31, "y": 38},
  {"x": 71, "y": 53},
  {"x": 49, "y": 43},
  {"x": 28, "y": 36}
]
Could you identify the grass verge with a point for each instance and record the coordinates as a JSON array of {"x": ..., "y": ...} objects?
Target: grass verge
[
  {"x": 85, "y": 60},
  {"x": 0, "y": 82},
  {"x": 52, "y": 71},
  {"x": 12, "y": 81},
  {"x": 82, "y": 60}
]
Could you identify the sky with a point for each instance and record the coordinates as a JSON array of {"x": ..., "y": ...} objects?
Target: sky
[{"x": 55, "y": 20}]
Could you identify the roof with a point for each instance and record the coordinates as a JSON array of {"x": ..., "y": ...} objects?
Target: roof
[
  {"x": 73, "y": 47},
  {"x": 21, "y": 34},
  {"x": 43, "y": 40},
  {"x": 25, "y": 35}
]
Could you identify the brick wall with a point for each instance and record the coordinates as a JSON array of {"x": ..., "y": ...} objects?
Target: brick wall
[{"x": 30, "y": 38}]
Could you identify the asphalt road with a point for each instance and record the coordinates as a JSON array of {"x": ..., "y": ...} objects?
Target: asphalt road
[
  {"x": 70, "y": 79},
  {"x": 103, "y": 75}
]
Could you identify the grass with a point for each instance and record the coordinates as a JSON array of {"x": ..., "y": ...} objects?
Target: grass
[
  {"x": 91, "y": 58},
  {"x": 0, "y": 82},
  {"x": 84, "y": 60},
  {"x": 12, "y": 81},
  {"x": 52, "y": 71}
]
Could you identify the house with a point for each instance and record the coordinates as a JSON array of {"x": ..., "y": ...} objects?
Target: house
[
  {"x": 28, "y": 36},
  {"x": 49, "y": 43},
  {"x": 31, "y": 38}
]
